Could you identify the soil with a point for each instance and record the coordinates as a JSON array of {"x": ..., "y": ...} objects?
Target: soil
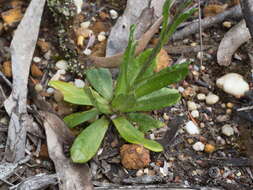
[{"x": 228, "y": 166}]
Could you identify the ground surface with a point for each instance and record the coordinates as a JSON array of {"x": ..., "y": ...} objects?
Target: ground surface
[{"x": 227, "y": 166}]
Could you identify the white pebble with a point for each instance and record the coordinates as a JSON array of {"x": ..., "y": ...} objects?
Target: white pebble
[
  {"x": 227, "y": 130},
  {"x": 38, "y": 87},
  {"x": 79, "y": 83},
  {"x": 87, "y": 51},
  {"x": 234, "y": 84},
  {"x": 50, "y": 90},
  {"x": 195, "y": 113},
  {"x": 139, "y": 173},
  {"x": 114, "y": 14},
  {"x": 212, "y": 99},
  {"x": 201, "y": 96},
  {"x": 191, "y": 128},
  {"x": 152, "y": 136},
  {"x": 165, "y": 116},
  {"x": 85, "y": 25},
  {"x": 101, "y": 36},
  {"x": 180, "y": 89},
  {"x": 78, "y": 4},
  {"x": 36, "y": 59},
  {"x": 61, "y": 65},
  {"x": 191, "y": 105},
  {"x": 198, "y": 146}
]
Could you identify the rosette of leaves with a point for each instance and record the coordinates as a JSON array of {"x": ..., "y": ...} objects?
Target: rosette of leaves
[{"x": 138, "y": 89}]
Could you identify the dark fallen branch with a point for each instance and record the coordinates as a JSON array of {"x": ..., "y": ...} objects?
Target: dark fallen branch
[
  {"x": 247, "y": 10},
  {"x": 37, "y": 182},
  {"x": 229, "y": 162},
  {"x": 207, "y": 22}
]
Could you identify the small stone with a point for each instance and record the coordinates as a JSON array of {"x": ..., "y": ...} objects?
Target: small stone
[
  {"x": 4, "y": 120},
  {"x": 234, "y": 84},
  {"x": 198, "y": 146},
  {"x": 191, "y": 105},
  {"x": 85, "y": 25},
  {"x": 200, "y": 55},
  {"x": 195, "y": 113},
  {"x": 78, "y": 4},
  {"x": 79, "y": 83},
  {"x": 152, "y": 136},
  {"x": 166, "y": 117},
  {"x": 227, "y": 24},
  {"x": 35, "y": 71},
  {"x": 180, "y": 89},
  {"x": 44, "y": 46},
  {"x": 50, "y": 90},
  {"x": 209, "y": 148},
  {"x": 189, "y": 92},
  {"x": 113, "y": 14},
  {"x": 228, "y": 111},
  {"x": 193, "y": 44},
  {"x": 201, "y": 96},
  {"x": 101, "y": 36},
  {"x": 230, "y": 105},
  {"x": 191, "y": 128},
  {"x": 38, "y": 87},
  {"x": 80, "y": 40},
  {"x": 227, "y": 130},
  {"x": 87, "y": 51},
  {"x": 139, "y": 173},
  {"x": 61, "y": 65},
  {"x": 36, "y": 59},
  {"x": 134, "y": 156},
  {"x": 212, "y": 99}
]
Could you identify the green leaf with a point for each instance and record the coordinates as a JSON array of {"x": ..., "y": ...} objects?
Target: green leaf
[
  {"x": 123, "y": 102},
  {"x": 133, "y": 135},
  {"x": 101, "y": 80},
  {"x": 145, "y": 122},
  {"x": 161, "y": 79},
  {"x": 71, "y": 93},
  {"x": 135, "y": 67},
  {"x": 122, "y": 85},
  {"x": 75, "y": 119},
  {"x": 87, "y": 143},
  {"x": 157, "y": 100},
  {"x": 99, "y": 102}
]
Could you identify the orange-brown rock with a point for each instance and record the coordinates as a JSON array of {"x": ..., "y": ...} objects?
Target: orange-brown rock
[
  {"x": 134, "y": 156},
  {"x": 35, "y": 71},
  {"x": 12, "y": 16}
]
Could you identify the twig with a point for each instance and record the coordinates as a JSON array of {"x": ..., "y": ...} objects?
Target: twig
[
  {"x": 5, "y": 79},
  {"x": 207, "y": 22},
  {"x": 200, "y": 33},
  {"x": 245, "y": 108},
  {"x": 114, "y": 61}
]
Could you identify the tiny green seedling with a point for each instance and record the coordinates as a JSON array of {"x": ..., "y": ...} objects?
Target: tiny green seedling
[{"x": 138, "y": 89}]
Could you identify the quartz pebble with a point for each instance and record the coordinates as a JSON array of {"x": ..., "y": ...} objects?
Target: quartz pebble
[
  {"x": 191, "y": 128},
  {"x": 201, "y": 96},
  {"x": 36, "y": 59},
  {"x": 50, "y": 90},
  {"x": 114, "y": 14},
  {"x": 139, "y": 173},
  {"x": 227, "y": 24},
  {"x": 38, "y": 87},
  {"x": 234, "y": 84},
  {"x": 101, "y": 36},
  {"x": 85, "y": 25},
  {"x": 198, "y": 146},
  {"x": 191, "y": 105},
  {"x": 212, "y": 99},
  {"x": 195, "y": 113},
  {"x": 227, "y": 130},
  {"x": 166, "y": 117},
  {"x": 87, "y": 51},
  {"x": 79, "y": 83},
  {"x": 61, "y": 65}
]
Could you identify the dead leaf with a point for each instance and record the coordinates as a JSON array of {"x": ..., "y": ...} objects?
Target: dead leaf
[
  {"x": 163, "y": 60},
  {"x": 7, "y": 71},
  {"x": 72, "y": 176},
  {"x": 22, "y": 49},
  {"x": 140, "y": 12},
  {"x": 232, "y": 40},
  {"x": 214, "y": 9},
  {"x": 12, "y": 16}
]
